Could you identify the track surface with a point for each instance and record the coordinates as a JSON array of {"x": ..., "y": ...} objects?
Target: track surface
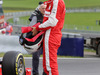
[{"x": 73, "y": 66}]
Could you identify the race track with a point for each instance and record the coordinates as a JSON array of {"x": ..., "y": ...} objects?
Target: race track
[{"x": 73, "y": 66}]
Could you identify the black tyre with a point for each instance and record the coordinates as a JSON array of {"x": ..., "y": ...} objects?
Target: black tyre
[{"x": 13, "y": 64}]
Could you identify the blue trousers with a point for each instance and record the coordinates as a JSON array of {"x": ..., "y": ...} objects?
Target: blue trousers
[{"x": 35, "y": 61}]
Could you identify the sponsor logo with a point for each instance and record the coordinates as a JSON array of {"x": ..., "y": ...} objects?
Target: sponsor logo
[{"x": 47, "y": 14}]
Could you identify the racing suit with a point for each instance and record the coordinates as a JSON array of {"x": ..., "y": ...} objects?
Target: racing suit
[{"x": 52, "y": 25}]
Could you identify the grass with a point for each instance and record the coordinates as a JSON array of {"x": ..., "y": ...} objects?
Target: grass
[
  {"x": 32, "y": 4},
  {"x": 68, "y": 56},
  {"x": 89, "y": 50},
  {"x": 25, "y": 55},
  {"x": 82, "y": 3},
  {"x": 20, "y": 5},
  {"x": 85, "y": 50},
  {"x": 1, "y": 54},
  {"x": 80, "y": 21},
  {"x": 88, "y": 19},
  {"x": 29, "y": 55},
  {"x": 83, "y": 21}
]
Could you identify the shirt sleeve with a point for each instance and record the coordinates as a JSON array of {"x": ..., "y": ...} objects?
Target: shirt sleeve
[
  {"x": 34, "y": 21},
  {"x": 52, "y": 20}
]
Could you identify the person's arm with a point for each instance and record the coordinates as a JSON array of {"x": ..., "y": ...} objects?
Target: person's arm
[
  {"x": 33, "y": 21},
  {"x": 52, "y": 21}
]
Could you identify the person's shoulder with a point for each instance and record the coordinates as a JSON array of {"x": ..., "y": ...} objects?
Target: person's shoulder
[
  {"x": 37, "y": 11},
  {"x": 34, "y": 13}
]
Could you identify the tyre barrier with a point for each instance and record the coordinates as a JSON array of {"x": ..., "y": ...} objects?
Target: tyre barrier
[{"x": 71, "y": 45}]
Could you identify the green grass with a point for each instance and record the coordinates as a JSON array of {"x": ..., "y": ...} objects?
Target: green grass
[
  {"x": 26, "y": 55},
  {"x": 19, "y": 5},
  {"x": 14, "y": 5},
  {"x": 30, "y": 4},
  {"x": 29, "y": 55},
  {"x": 82, "y": 3},
  {"x": 88, "y": 19},
  {"x": 1, "y": 54},
  {"x": 68, "y": 56},
  {"x": 83, "y": 21},
  {"x": 89, "y": 50},
  {"x": 22, "y": 20}
]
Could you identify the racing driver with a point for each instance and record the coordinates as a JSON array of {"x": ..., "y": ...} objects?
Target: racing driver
[{"x": 52, "y": 24}]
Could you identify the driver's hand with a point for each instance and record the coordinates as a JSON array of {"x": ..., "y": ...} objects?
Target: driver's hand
[{"x": 34, "y": 31}]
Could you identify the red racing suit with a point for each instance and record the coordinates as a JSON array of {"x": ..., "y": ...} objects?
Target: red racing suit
[{"x": 53, "y": 23}]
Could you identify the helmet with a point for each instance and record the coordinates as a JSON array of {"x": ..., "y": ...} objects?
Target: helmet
[{"x": 31, "y": 43}]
